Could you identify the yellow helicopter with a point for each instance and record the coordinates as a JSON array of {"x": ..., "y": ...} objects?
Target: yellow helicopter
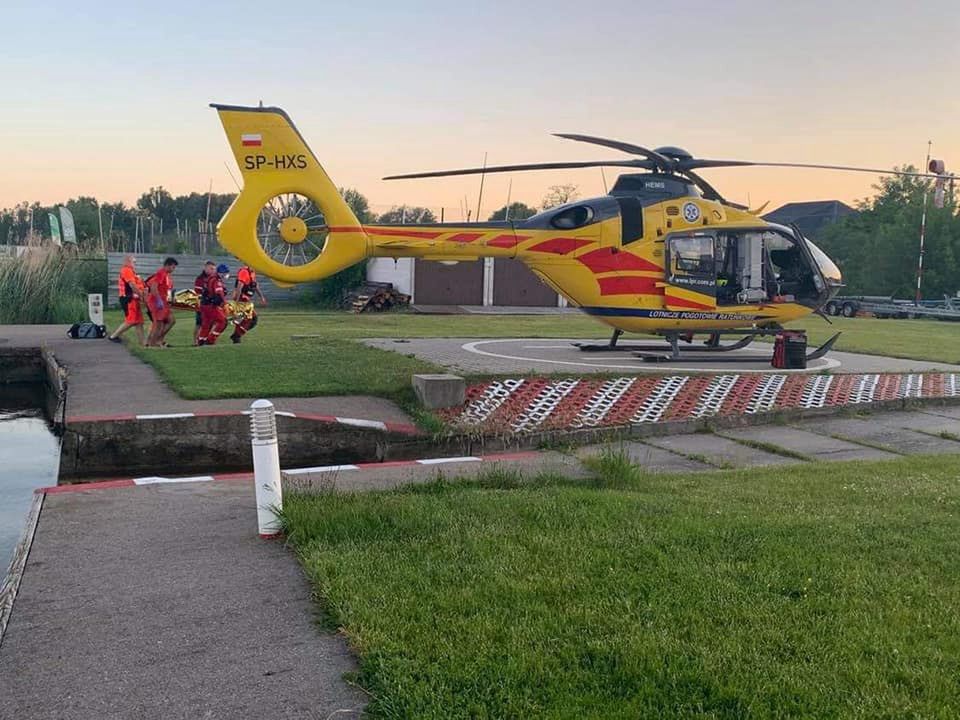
[{"x": 663, "y": 253}]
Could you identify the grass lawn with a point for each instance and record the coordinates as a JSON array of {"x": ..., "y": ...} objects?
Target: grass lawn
[
  {"x": 269, "y": 362},
  {"x": 732, "y": 594},
  {"x": 915, "y": 339}
]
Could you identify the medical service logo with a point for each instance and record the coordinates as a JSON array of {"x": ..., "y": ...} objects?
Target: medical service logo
[{"x": 691, "y": 212}]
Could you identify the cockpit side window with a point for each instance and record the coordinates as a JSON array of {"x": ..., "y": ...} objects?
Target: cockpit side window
[
  {"x": 691, "y": 255},
  {"x": 631, "y": 219}
]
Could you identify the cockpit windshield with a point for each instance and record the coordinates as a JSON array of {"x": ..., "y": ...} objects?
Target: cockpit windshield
[{"x": 831, "y": 273}]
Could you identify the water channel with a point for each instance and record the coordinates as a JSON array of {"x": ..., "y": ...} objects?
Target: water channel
[{"x": 29, "y": 458}]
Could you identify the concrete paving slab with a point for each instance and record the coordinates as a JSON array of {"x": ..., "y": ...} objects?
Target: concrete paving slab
[
  {"x": 886, "y": 434},
  {"x": 719, "y": 451},
  {"x": 817, "y": 447},
  {"x": 917, "y": 420},
  {"x": 948, "y": 411},
  {"x": 386, "y": 476},
  {"x": 162, "y": 602},
  {"x": 650, "y": 457}
]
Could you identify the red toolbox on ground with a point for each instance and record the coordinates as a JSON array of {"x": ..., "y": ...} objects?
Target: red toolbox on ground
[{"x": 790, "y": 350}]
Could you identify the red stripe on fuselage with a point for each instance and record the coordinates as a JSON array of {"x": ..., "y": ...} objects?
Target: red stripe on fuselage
[
  {"x": 421, "y": 234},
  {"x": 464, "y": 237},
  {"x": 604, "y": 260},
  {"x": 683, "y": 302},
  {"x": 560, "y": 245},
  {"x": 508, "y": 241},
  {"x": 633, "y": 285}
]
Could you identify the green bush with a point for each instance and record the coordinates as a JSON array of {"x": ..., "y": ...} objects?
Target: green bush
[
  {"x": 46, "y": 285},
  {"x": 92, "y": 272}
]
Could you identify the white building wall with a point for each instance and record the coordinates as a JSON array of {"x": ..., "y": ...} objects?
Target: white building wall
[{"x": 398, "y": 272}]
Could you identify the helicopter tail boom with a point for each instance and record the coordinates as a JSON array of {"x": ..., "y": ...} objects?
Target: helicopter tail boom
[{"x": 276, "y": 164}]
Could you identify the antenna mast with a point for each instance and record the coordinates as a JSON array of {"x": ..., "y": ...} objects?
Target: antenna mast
[
  {"x": 923, "y": 226},
  {"x": 480, "y": 196}
]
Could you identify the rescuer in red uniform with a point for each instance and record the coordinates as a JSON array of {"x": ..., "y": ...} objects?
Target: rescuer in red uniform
[
  {"x": 212, "y": 318},
  {"x": 209, "y": 268},
  {"x": 159, "y": 286},
  {"x": 130, "y": 290},
  {"x": 243, "y": 290}
]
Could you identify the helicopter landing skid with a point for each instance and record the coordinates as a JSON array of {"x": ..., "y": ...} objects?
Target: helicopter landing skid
[
  {"x": 656, "y": 354},
  {"x": 823, "y": 349},
  {"x": 711, "y": 345}
]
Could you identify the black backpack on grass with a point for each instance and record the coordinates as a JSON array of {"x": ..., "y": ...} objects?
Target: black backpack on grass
[{"x": 86, "y": 331}]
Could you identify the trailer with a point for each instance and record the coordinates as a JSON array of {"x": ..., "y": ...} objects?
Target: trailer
[{"x": 890, "y": 307}]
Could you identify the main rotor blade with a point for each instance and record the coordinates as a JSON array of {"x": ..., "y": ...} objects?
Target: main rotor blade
[
  {"x": 662, "y": 160},
  {"x": 642, "y": 164},
  {"x": 709, "y": 192},
  {"x": 685, "y": 165}
]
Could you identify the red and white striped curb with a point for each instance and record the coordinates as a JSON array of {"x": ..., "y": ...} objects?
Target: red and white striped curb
[
  {"x": 320, "y": 469},
  {"x": 526, "y": 405},
  {"x": 401, "y": 428}
]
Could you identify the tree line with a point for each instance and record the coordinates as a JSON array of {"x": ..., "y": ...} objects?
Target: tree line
[
  {"x": 164, "y": 222},
  {"x": 877, "y": 248},
  {"x": 157, "y": 215}
]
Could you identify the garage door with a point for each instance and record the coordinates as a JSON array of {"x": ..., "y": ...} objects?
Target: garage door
[
  {"x": 515, "y": 284},
  {"x": 437, "y": 284}
]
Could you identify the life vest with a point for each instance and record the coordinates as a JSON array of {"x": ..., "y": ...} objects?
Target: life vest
[
  {"x": 247, "y": 282},
  {"x": 127, "y": 289}
]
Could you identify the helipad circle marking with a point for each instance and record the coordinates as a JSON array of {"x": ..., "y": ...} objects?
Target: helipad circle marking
[{"x": 473, "y": 347}]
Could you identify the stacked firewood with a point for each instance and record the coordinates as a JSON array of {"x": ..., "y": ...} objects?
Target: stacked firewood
[{"x": 375, "y": 297}]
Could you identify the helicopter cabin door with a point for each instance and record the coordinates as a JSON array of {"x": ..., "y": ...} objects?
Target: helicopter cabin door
[{"x": 691, "y": 273}]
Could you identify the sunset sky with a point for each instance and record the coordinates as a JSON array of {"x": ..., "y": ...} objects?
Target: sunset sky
[{"x": 107, "y": 99}]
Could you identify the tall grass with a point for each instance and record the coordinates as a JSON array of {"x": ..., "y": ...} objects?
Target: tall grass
[{"x": 46, "y": 286}]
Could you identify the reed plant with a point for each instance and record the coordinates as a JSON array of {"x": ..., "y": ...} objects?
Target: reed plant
[{"x": 48, "y": 286}]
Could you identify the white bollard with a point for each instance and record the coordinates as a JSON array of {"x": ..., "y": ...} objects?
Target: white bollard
[
  {"x": 266, "y": 467},
  {"x": 95, "y": 308}
]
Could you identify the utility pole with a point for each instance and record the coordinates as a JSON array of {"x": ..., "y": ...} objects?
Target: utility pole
[
  {"x": 206, "y": 222},
  {"x": 103, "y": 247},
  {"x": 923, "y": 224}
]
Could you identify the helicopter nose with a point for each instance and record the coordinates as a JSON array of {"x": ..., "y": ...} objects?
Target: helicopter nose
[{"x": 831, "y": 273}]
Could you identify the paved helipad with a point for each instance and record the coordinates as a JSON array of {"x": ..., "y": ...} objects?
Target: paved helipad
[{"x": 559, "y": 355}]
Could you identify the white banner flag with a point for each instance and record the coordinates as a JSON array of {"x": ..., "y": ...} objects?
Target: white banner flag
[{"x": 66, "y": 223}]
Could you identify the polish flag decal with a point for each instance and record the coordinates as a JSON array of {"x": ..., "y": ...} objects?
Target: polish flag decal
[{"x": 251, "y": 140}]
